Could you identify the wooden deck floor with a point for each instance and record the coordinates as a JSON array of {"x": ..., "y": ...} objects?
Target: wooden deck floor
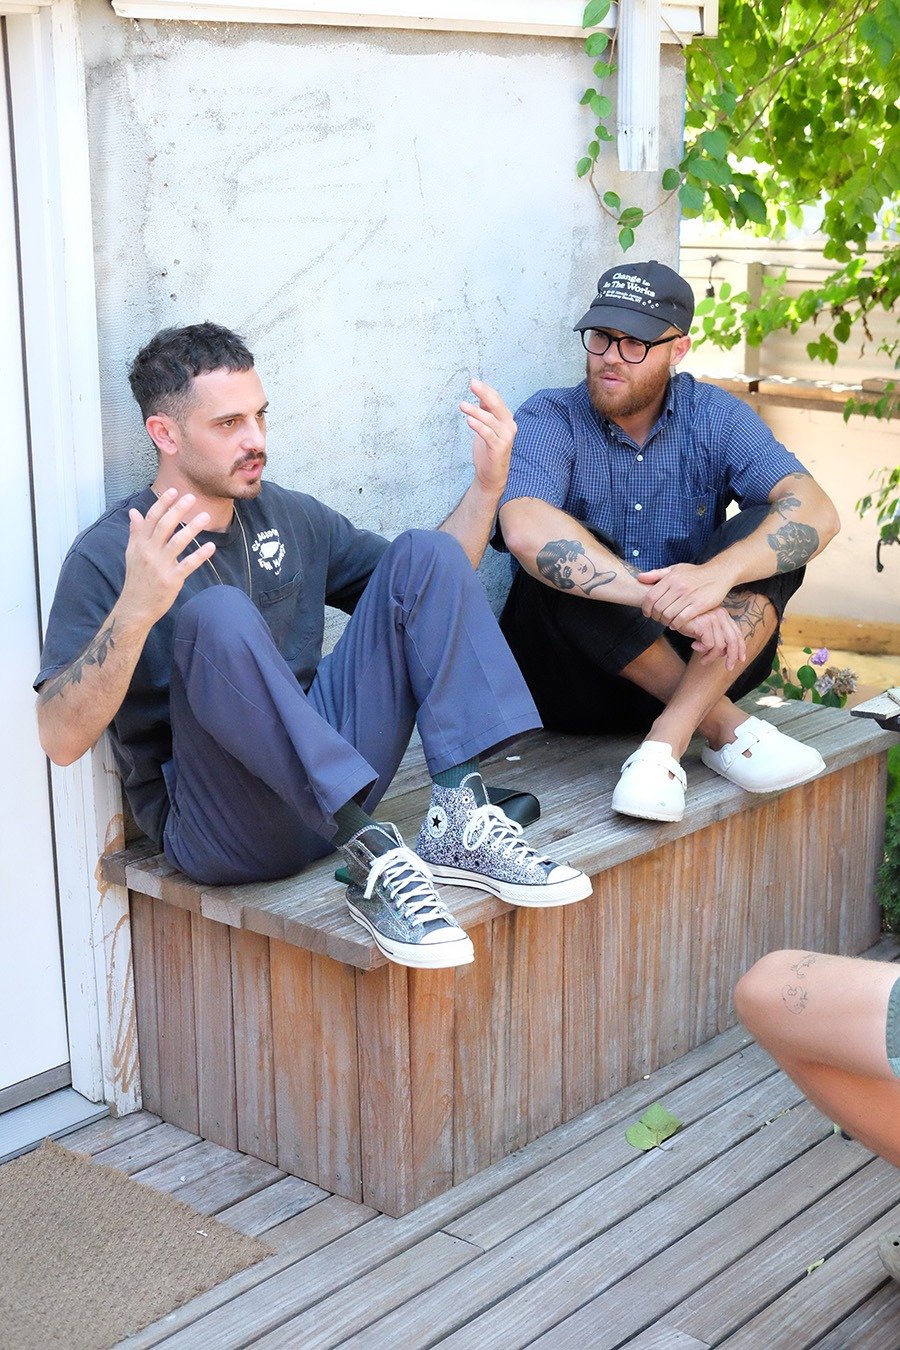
[{"x": 577, "y": 1240}]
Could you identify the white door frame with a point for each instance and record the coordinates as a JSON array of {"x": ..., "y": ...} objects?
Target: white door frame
[{"x": 53, "y": 182}]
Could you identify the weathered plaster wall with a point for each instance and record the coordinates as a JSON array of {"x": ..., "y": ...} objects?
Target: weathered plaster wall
[{"x": 382, "y": 214}]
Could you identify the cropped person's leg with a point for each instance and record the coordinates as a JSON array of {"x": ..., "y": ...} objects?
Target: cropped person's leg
[{"x": 833, "y": 1024}]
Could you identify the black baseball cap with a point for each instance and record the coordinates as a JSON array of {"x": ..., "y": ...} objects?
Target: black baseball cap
[{"x": 642, "y": 300}]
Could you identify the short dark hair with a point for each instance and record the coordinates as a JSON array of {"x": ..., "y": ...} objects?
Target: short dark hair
[{"x": 162, "y": 372}]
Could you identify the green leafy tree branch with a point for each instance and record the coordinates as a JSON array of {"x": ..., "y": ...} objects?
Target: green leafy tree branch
[{"x": 792, "y": 106}]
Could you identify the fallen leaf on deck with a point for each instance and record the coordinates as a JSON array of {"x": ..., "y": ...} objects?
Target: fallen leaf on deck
[{"x": 655, "y": 1125}]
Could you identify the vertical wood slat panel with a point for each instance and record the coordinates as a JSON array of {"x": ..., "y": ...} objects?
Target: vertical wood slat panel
[
  {"x": 641, "y": 967},
  {"x": 337, "y": 1077},
  {"x": 142, "y": 948},
  {"x": 175, "y": 1017},
  {"x": 253, "y": 1058},
  {"x": 860, "y": 916},
  {"x": 723, "y": 889},
  {"x": 295, "y": 1053},
  {"x": 213, "y": 1015},
  {"x": 581, "y": 1049},
  {"x": 431, "y": 1059},
  {"x": 473, "y": 1070},
  {"x": 675, "y": 924},
  {"x": 765, "y": 928},
  {"x": 509, "y": 1032},
  {"x": 384, "y": 1089},
  {"x": 541, "y": 934},
  {"x": 612, "y": 1008},
  {"x": 793, "y": 826}
]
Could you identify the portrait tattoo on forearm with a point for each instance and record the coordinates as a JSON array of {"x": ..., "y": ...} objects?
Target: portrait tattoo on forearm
[
  {"x": 747, "y": 609},
  {"x": 793, "y": 545},
  {"x": 94, "y": 654},
  {"x": 564, "y": 563}
]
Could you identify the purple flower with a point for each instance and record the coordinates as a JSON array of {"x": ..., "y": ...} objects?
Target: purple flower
[
  {"x": 824, "y": 684},
  {"x": 819, "y": 657}
]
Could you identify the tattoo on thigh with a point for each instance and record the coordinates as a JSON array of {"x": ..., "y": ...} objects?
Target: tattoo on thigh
[
  {"x": 793, "y": 545},
  {"x": 94, "y": 654},
  {"x": 796, "y": 996},
  {"x": 564, "y": 563},
  {"x": 748, "y": 610}
]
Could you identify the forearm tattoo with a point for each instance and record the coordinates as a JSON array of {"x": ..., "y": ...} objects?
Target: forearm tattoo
[
  {"x": 793, "y": 545},
  {"x": 564, "y": 564},
  {"x": 94, "y": 654},
  {"x": 747, "y": 609},
  {"x": 796, "y": 996}
]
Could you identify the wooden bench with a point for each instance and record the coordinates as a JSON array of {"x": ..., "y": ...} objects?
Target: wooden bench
[{"x": 268, "y": 1022}]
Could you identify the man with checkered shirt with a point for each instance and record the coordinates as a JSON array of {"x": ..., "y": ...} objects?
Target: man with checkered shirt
[{"x": 636, "y": 604}]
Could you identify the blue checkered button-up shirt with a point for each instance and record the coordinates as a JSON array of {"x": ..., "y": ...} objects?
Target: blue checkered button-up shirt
[{"x": 660, "y": 501}]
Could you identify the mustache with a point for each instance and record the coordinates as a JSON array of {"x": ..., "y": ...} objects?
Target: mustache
[{"x": 246, "y": 460}]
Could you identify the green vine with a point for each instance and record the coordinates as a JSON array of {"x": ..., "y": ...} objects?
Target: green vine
[{"x": 793, "y": 108}]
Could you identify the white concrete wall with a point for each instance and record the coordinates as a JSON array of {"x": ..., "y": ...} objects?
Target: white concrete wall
[{"x": 381, "y": 214}]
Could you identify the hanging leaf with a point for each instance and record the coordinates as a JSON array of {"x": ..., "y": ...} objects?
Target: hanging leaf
[
  {"x": 670, "y": 179},
  {"x": 753, "y": 207},
  {"x": 626, "y": 239},
  {"x": 596, "y": 44},
  {"x": 595, "y": 12},
  {"x": 691, "y": 197}
]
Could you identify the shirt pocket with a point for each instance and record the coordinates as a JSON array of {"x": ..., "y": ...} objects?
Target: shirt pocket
[{"x": 279, "y": 608}]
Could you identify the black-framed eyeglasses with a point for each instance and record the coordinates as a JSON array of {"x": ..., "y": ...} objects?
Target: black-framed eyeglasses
[{"x": 631, "y": 349}]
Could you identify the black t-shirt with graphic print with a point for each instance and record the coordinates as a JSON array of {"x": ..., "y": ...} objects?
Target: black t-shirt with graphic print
[{"x": 303, "y": 556}]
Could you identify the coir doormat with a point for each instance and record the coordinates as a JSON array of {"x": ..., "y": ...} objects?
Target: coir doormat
[{"x": 88, "y": 1256}]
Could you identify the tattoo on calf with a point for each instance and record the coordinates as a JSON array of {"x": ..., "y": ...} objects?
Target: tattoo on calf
[
  {"x": 747, "y": 609},
  {"x": 793, "y": 544},
  {"x": 564, "y": 564},
  {"x": 94, "y": 654}
]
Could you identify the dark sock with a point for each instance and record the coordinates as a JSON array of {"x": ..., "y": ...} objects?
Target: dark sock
[
  {"x": 452, "y": 778},
  {"x": 350, "y": 819}
]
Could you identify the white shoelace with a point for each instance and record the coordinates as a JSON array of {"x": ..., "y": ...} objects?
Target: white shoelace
[
  {"x": 489, "y": 823},
  {"x": 411, "y": 885}
]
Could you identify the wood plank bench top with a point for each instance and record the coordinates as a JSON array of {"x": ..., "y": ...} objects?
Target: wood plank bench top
[{"x": 573, "y": 776}]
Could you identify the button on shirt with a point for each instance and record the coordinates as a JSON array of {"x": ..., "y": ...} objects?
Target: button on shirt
[{"x": 660, "y": 501}]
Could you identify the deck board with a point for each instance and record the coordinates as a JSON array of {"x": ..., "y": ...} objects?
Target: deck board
[{"x": 576, "y": 1239}]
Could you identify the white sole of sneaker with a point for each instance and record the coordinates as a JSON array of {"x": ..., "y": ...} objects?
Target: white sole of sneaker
[
  {"x": 533, "y": 897},
  {"x": 781, "y": 786},
  {"x": 421, "y": 956},
  {"x": 647, "y": 812}
]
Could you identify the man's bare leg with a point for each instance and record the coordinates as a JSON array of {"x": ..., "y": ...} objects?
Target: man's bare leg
[
  {"x": 824, "y": 1019},
  {"x": 693, "y": 694}
]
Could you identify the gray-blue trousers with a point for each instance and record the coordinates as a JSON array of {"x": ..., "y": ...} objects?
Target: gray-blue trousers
[{"x": 260, "y": 766}]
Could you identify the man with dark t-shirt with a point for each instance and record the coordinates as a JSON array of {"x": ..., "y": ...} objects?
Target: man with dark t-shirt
[
  {"x": 637, "y": 604},
  {"x": 189, "y": 621}
]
